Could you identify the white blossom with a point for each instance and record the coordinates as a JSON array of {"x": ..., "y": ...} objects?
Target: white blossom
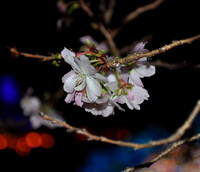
[{"x": 83, "y": 77}]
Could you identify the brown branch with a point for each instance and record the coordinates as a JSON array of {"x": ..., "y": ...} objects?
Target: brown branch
[
  {"x": 86, "y": 8},
  {"x": 178, "y": 134},
  {"x": 17, "y": 53},
  {"x": 173, "y": 66},
  {"x": 101, "y": 27},
  {"x": 136, "y": 56},
  {"x": 134, "y": 14},
  {"x": 110, "y": 40},
  {"x": 84, "y": 132},
  {"x": 109, "y": 12},
  {"x": 162, "y": 154}
]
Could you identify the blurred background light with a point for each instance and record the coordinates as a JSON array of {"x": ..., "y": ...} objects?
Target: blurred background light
[{"x": 9, "y": 92}]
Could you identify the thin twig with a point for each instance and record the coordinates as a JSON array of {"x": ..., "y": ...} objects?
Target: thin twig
[
  {"x": 162, "y": 154},
  {"x": 170, "y": 66},
  {"x": 16, "y": 53},
  {"x": 136, "y": 56},
  {"x": 86, "y": 8},
  {"x": 110, "y": 40},
  {"x": 134, "y": 14},
  {"x": 178, "y": 134},
  {"x": 101, "y": 28},
  {"x": 109, "y": 11}
]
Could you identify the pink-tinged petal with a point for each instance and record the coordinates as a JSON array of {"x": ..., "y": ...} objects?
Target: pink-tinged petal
[
  {"x": 70, "y": 97},
  {"x": 93, "y": 88},
  {"x": 135, "y": 78},
  {"x": 139, "y": 48},
  {"x": 70, "y": 82},
  {"x": 84, "y": 39},
  {"x": 140, "y": 94},
  {"x": 103, "y": 46},
  {"x": 131, "y": 95},
  {"x": 146, "y": 70},
  {"x": 123, "y": 99},
  {"x": 78, "y": 99}
]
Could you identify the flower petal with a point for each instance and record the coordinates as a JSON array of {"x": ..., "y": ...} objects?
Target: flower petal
[
  {"x": 139, "y": 48},
  {"x": 69, "y": 82},
  {"x": 78, "y": 99},
  {"x": 93, "y": 88},
  {"x": 146, "y": 70},
  {"x": 135, "y": 78},
  {"x": 101, "y": 77},
  {"x": 140, "y": 94},
  {"x": 68, "y": 55},
  {"x": 85, "y": 65},
  {"x": 70, "y": 97}
]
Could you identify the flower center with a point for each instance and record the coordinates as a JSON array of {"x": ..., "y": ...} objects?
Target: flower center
[{"x": 80, "y": 79}]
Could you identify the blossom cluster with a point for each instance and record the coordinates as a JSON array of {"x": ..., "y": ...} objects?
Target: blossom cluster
[{"x": 99, "y": 90}]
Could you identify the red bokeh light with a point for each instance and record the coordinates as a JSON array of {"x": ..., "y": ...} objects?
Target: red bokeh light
[
  {"x": 47, "y": 140},
  {"x": 33, "y": 139},
  {"x": 3, "y": 142}
]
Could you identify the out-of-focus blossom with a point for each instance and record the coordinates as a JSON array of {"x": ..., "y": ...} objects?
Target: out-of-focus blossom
[
  {"x": 32, "y": 105},
  {"x": 99, "y": 46}
]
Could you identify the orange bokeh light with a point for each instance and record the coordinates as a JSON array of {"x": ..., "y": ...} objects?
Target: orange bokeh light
[
  {"x": 47, "y": 140},
  {"x": 21, "y": 147},
  {"x": 3, "y": 142},
  {"x": 33, "y": 139}
]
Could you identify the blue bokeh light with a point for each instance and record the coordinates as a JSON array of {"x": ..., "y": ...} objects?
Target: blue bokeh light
[
  {"x": 117, "y": 159},
  {"x": 9, "y": 93}
]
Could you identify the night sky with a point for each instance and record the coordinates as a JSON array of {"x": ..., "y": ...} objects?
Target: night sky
[{"x": 30, "y": 26}]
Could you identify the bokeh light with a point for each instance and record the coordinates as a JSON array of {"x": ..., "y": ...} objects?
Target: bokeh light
[
  {"x": 3, "y": 142},
  {"x": 8, "y": 90},
  {"x": 33, "y": 140}
]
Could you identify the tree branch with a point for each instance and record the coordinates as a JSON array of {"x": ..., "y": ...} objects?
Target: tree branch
[
  {"x": 134, "y": 14},
  {"x": 109, "y": 11},
  {"x": 162, "y": 154},
  {"x": 136, "y": 56},
  {"x": 178, "y": 134},
  {"x": 86, "y": 8},
  {"x": 17, "y": 53}
]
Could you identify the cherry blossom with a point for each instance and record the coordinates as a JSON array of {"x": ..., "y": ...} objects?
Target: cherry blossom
[
  {"x": 83, "y": 78},
  {"x": 98, "y": 94}
]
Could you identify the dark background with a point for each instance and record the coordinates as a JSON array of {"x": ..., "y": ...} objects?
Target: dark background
[{"x": 31, "y": 27}]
